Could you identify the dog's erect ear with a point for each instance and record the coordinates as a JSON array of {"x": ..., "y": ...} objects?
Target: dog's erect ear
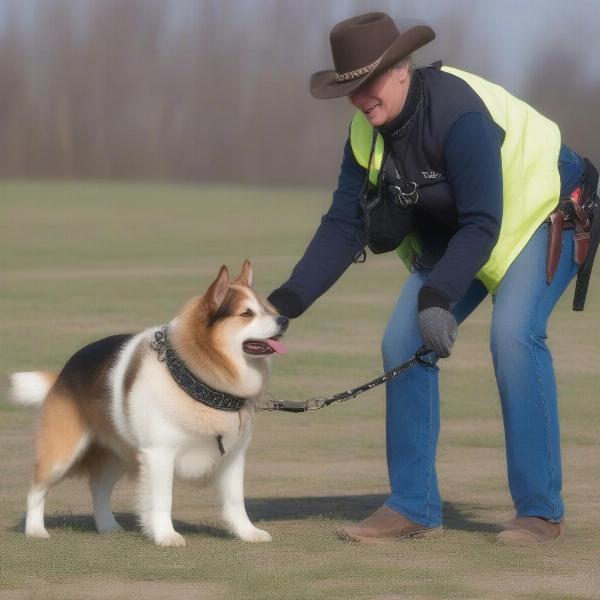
[
  {"x": 245, "y": 277},
  {"x": 218, "y": 290}
]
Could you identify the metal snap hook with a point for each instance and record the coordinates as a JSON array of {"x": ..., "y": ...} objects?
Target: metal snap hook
[
  {"x": 405, "y": 194},
  {"x": 421, "y": 355}
]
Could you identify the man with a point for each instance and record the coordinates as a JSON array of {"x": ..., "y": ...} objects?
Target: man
[{"x": 458, "y": 176}]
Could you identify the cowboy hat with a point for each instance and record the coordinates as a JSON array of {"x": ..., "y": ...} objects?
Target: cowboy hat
[{"x": 363, "y": 47}]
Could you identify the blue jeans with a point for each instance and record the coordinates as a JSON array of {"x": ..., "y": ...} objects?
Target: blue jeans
[{"x": 526, "y": 383}]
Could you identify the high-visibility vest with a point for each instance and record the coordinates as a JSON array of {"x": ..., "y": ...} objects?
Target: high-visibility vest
[{"x": 530, "y": 176}]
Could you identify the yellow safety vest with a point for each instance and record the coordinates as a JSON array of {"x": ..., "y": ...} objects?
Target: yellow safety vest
[{"x": 530, "y": 176}]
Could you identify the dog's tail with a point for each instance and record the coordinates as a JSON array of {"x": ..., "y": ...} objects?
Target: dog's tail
[{"x": 31, "y": 388}]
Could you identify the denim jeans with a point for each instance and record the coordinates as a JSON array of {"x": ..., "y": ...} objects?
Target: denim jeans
[{"x": 526, "y": 384}]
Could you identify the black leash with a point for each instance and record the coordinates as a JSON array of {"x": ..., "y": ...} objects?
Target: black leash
[{"x": 299, "y": 406}]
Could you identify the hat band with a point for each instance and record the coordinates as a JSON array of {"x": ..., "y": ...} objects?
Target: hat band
[{"x": 349, "y": 75}]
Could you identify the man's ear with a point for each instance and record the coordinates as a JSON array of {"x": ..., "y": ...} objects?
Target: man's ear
[{"x": 401, "y": 72}]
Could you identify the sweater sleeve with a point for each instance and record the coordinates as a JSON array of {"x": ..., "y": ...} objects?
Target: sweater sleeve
[
  {"x": 474, "y": 173},
  {"x": 336, "y": 242}
]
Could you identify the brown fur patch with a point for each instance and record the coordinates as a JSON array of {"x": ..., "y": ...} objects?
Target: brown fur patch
[
  {"x": 97, "y": 457},
  {"x": 194, "y": 339},
  {"x": 60, "y": 432},
  {"x": 226, "y": 309},
  {"x": 49, "y": 377},
  {"x": 80, "y": 401}
]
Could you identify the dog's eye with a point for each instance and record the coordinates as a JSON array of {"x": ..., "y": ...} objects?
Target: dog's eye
[{"x": 247, "y": 313}]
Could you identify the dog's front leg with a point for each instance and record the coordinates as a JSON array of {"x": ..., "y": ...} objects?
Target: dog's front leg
[
  {"x": 230, "y": 487},
  {"x": 156, "y": 496}
]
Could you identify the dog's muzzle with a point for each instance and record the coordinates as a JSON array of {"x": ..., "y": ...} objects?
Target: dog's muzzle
[{"x": 283, "y": 323}]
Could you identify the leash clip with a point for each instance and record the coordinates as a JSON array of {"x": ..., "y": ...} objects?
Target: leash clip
[
  {"x": 422, "y": 352},
  {"x": 315, "y": 403}
]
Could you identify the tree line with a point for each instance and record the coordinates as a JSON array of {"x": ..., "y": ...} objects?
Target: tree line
[{"x": 214, "y": 90}]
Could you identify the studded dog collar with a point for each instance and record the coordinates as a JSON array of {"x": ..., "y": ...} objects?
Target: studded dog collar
[{"x": 187, "y": 381}]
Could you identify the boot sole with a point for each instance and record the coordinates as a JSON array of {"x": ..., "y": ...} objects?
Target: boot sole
[{"x": 418, "y": 534}]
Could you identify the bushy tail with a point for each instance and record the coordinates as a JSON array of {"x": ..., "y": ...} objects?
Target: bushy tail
[{"x": 30, "y": 389}]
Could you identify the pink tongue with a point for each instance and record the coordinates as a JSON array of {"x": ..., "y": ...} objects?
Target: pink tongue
[{"x": 277, "y": 346}]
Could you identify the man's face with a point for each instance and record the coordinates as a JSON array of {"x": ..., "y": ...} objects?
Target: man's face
[{"x": 382, "y": 99}]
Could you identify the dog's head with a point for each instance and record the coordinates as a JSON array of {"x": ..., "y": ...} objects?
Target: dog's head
[
  {"x": 230, "y": 326},
  {"x": 240, "y": 318}
]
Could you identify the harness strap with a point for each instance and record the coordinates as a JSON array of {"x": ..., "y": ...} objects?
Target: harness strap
[{"x": 361, "y": 255}]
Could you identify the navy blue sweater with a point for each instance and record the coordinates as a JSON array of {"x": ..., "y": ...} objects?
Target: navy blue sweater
[{"x": 474, "y": 172}]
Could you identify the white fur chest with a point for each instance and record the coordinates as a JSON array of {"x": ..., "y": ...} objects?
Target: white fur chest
[{"x": 202, "y": 453}]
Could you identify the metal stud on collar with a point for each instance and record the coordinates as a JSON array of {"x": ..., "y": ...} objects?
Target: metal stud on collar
[{"x": 187, "y": 381}]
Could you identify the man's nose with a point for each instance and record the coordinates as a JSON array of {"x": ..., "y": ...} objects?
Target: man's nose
[{"x": 283, "y": 322}]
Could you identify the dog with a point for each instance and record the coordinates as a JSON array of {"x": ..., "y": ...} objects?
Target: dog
[{"x": 122, "y": 405}]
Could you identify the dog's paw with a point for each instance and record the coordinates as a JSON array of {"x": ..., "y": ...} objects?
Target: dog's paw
[
  {"x": 255, "y": 535},
  {"x": 37, "y": 532},
  {"x": 112, "y": 528},
  {"x": 170, "y": 538}
]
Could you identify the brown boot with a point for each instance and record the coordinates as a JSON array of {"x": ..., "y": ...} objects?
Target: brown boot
[
  {"x": 525, "y": 531},
  {"x": 385, "y": 523}
]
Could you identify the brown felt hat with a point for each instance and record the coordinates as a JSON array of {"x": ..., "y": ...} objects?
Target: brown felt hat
[{"x": 363, "y": 47}]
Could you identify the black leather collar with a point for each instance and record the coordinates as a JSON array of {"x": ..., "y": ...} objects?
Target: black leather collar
[{"x": 187, "y": 381}]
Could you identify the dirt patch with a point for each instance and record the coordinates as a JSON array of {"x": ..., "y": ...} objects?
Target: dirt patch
[
  {"x": 520, "y": 585},
  {"x": 101, "y": 589}
]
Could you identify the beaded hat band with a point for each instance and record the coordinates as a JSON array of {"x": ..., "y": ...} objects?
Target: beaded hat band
[{"x": 341, "y": 77}]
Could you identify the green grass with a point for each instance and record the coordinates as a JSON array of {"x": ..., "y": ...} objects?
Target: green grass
[{"x": 81, "y": 261}]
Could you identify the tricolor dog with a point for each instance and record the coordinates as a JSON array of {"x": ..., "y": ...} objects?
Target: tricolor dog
[{"x": 176, "y": 400}]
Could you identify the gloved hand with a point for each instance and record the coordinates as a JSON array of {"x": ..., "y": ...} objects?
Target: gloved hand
[
  {"x": 287, "y": 302},
  {"x": 438, "y": 329}
]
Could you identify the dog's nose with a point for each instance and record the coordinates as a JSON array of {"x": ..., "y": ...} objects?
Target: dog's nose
[{"x": 283, "y": 322}]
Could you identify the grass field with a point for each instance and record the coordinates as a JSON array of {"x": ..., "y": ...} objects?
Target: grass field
[{"x": 82, "y": 261}]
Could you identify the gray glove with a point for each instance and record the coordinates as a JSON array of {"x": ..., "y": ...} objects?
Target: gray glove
[{"x": 438, "y": 329}]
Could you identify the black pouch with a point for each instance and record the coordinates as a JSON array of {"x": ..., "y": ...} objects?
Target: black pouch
[{"x": 387, "y": 207}]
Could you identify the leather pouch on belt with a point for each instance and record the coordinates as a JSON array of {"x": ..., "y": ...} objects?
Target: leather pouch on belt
[
  {"x": 557, "y": 223},
  {"x": 582, "y": 243}
]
